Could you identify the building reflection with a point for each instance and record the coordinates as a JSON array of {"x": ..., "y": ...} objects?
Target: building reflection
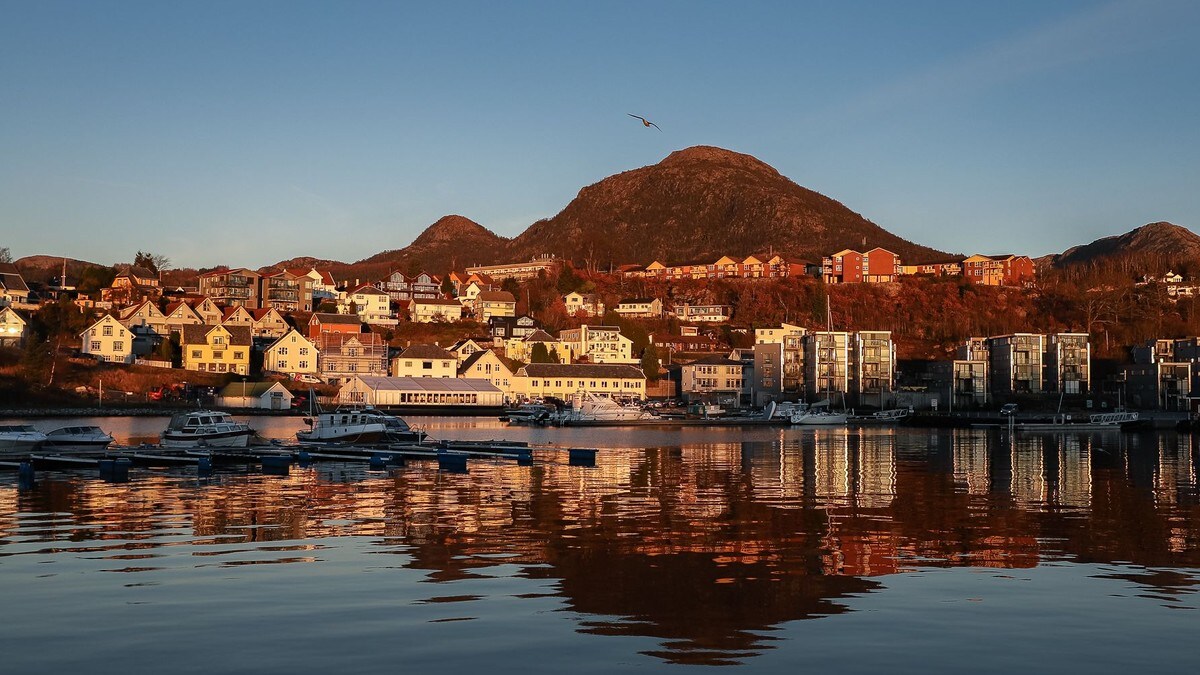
[{"x": 705, "y": 548}]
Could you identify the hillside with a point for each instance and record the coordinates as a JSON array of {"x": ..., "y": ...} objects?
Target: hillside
[
  {"x": 698, "y": 204},
  {"x": 1162, "y": 241}
]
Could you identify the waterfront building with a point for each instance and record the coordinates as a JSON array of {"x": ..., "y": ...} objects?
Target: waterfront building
[
  {"x": 425, "y": 361},
  {"x": 714, "y": 379},
  {"x": 598, "y": 344},
  {"x": 1068, "y": 363},
  {"x": 487, "y": 365},
  {"x": 562, "y": 380},
  {"x": 874, "y": 368},
  {"x": 258, "y": 395},
  {"x": 1015, "y": 364},
  {"x": 217, "y": 349},
  {"x": 827, "y": 365},
  {"x": 380, "y": 391},
  {"x": 1159, "y": 385},
  {"x": 342, "y": 356}
]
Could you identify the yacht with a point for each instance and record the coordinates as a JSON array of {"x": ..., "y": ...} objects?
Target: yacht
[
  {"x": 206, "y": 428},
  {"x": 820, "y": 417},
  {"x": 529, "y": 414},
  {"x": 588, "y": 407},
  {"x": 17, "y": 438},
  {"x": 1106, "y": 421},
  {"x": 358, "y": 425},
  {"x": 77, "y": 439},
  {"x": 892, "y": 416}
]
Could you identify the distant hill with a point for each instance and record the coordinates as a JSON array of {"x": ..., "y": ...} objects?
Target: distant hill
[
  {"x": 43, "y": 268},
  {"x": 701, "y": 203},
  {"x": 1164, "y": 242}
]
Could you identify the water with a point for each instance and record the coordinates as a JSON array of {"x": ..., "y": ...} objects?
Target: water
[{"x": 760, "y": 550}]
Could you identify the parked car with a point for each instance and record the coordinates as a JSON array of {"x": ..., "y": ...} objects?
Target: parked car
[
  {"x": 310, "y": 379},
  {"x": 1008, "y": 409}
]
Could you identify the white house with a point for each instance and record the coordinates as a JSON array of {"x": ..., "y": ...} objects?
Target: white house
[
  {"x": 599, "y": 344},
  {"x": 262, "y": 395},
  {"x": 108, "y": 340},
  {"x": 640, "y": 308},
  {"x": 12, "y": 328},
  {"x": 292, "y": 354},
  {"x": 372, "y": 305},
  {"x": 429, "y": 310},
  {"x": 589, "y": 304},
  {"x": 425, "y": 361}
]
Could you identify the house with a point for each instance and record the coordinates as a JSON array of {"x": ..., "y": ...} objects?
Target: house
[
  {"x": 372, "y": 305},
  {"x": 344, "y": 355},
  {"x": 726, "y": 267},
  {"x": 108, "y": 340},
  {"x": 210, "y": 312},
  {"x": 13, "y": 328},
  {"x": 640, "y": 308},
  {"x": 770, "y": 336},
  {"x": 236, "y": 288},
  {"x": 683, "y": 343},
  {"x": 259, "y": 395},
  {"x": 401, "y": 288},
  {"x": 583, "y": 304},
  {"x": 942, "y": 268},
  {"x": 321, "y": 322},
  {"x": 321, "y": 281},
  {"x": 180, "y": 314},
  {"x": 703, "y": 313},
  {"x": 425, "y": 361},
  {"x": 131, "y": 285},
  {"x": 494, "y": 303},
  {"x": 13, "y": 290},
  {"x": 217, "y": 349},
  {"x": 598, "y": 344},
  {"x": 873, "y": 372},
  {"x": 435, "y": 310},
  {"x": 524, "y": 349},
  {"x": 268, "y": 322},
  {"x": 237, "y": 315},
  {"x": 563, "y": 380},
  {"x": 998, "y": 270},
  {"x": 878, "y": 265},
  {"x": 287, "y": 292},
  {"x": 419, "y": 392},
  {"x": 468, "y": 346},
  {"x": 715, "y": 379},
  {"x": 519, "y": 271},
  {"x": 147, "y": 316},
  {"x": 293, "y": 354},
  {"x": 487, "y": 365},
  {"x": 505, "y": 327}
]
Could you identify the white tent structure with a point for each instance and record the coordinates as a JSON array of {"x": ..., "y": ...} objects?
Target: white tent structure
[{"x": 419, "y": 391}]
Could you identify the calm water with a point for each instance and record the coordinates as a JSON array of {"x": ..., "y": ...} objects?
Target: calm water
[{"x": 762, "y": 550}]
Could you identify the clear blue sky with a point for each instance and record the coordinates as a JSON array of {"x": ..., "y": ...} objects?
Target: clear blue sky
[{"x": 249, "y": 132}]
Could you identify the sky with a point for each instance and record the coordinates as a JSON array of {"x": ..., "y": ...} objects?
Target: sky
[{"x": 245, "y": 133}]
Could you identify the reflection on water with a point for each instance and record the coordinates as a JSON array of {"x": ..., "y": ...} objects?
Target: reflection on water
[{"x": 698, "y": 549}]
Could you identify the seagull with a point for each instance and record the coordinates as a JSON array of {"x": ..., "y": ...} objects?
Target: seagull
[{"x": 645, "y": 122}]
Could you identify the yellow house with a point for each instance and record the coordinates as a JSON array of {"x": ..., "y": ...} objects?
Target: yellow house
[
  {"x": 486, "y": 365},
  {"x": 217, "y": 349},
  {"x": 562, "y": 380},
  {"x": 494, "y": 303},
  {"x": 424, "y": 361},
  {"x": 292, "y": 354}
]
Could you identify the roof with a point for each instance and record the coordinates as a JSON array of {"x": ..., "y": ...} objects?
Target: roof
[
  {"x": 227, "y": 312},
  {"x": 258, "y": 314},
  {"x": 428, "y": 384},
  {"x": 139, "y": 272},
  {"x": 239, "y": 336},
  {"x": 582, "y": 370},
  {"x": 367, "y": 289},
  {"x": 716, "y": 360},
  {"x": 473, "y": 358},
  {"x": 251, "y": 389},
  {"x": 10, "y": 278},
  {"x": 325, "y": 317},
  {"x": 426, "y": 352},
  {"x": 540, "y": 335},
  {"x": 637, "y": 301},
  {"x": 441, "y": 302},
  {"x": 496, "y": 296}
]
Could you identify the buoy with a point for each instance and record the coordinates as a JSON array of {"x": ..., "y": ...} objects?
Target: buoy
[
  {"x": 276, "y": 465},
  {"x": 582, "y": 457}
]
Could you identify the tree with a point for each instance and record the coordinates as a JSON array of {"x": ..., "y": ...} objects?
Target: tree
[
  {"x": 151, "y": 261},
  {"x": 539, "y": 354},
  {"x": 448, "y": 287},
  {"x": 568, "y": 280},
  {"x": 552, "y": 356},
  {"x": 5, "y": 255},
  {"x": 650, "y": 363}
]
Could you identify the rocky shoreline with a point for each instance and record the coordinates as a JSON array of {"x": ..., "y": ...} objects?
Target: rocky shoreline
[{"x": 141, "y": 411}]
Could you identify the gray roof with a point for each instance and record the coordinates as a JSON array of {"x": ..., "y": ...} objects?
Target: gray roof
[
  {"x": 470, "y": 360},
  {"x": 496, "y": 296},
  {"x": 716, "y": 360},
  {"x": 582, "y": 370},
  {"x": 325, "y": 317},
  {"x": 239, "y": 336},
  {"x": 540, "y": 335},
  {"x": 426, "y": 352},
  {"x": 428, "y": 384}
]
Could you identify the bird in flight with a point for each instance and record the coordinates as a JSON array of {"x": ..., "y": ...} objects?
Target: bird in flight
[{"x": 645, "y": 122}]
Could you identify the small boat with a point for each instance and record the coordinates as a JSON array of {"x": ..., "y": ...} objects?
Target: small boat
[
  {"x": 18, "y": 438},
  {"x": 820, "y": 417},
  {"x": 77, "y": 439},
  {"x": 529, "y": 414},
  {"x": 206, "y": 428},
  {"x": 882, "y": 417},
  {"x": 357, "y": 425}
]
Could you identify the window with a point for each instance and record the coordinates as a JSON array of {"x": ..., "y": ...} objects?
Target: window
[
  {"x": 427, "y": 365},
  {"x": 283, "y": 351},
  {"x": 195, "y": 353},
  {"x": 217, "y": 356},
  {"x": 118, "y": 345},
  {"x": 238, "y": 356},
  {"x": 95, "y": 345},
  {"x": 108, "y": 331},
  {"x": 303, "y": 365},
  {"x": 304, "y": 351}
]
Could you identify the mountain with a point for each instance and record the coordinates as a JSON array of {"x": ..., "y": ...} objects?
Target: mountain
[
  {"x": 45, "y": 268},
  {"x": 1164, "y": 241},
  {"x": 699, "y": 204}
]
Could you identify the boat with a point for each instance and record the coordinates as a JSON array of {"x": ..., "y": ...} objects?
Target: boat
[
  {"x": 357, "y": 425},
  {"x": 821, "y": 413},
  {"x": 77, "y": 439},
  {"x": 882, "y": 417},
  {"x": 1106, "y": 421},
  {"x": 587, "y": 407},
  {"x": 529, "y": 414},
  {"x": 18, "y": 438},
  {"x": 206, "y": 428}
]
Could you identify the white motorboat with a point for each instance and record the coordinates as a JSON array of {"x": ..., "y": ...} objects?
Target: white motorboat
[
  {"x": 588, "y": 407},
  {"x": 529, "y": 414},
  {"x": 206, "y": 428},
  {"x": 20, "y": 438},
  {"x": 77, "y": 439},
  {"x": 820, "y": 417},
  {"x": 893, "y": 416},
  {"x": 357, "y": 425}
]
